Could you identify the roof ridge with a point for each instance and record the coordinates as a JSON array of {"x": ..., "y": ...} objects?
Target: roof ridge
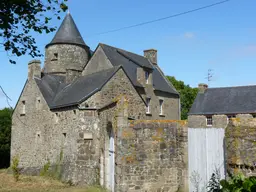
[
  {"x": 122, "y": 50},
  {"x": 238, "y": 86}
]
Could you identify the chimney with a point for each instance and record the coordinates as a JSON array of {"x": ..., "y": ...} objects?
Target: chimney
[
  {"x": 34, "y": 69},
  {"x": 151, "y": 54},
  {"x": 72, "y": 74},
  {"x": 202, "y": 87}
]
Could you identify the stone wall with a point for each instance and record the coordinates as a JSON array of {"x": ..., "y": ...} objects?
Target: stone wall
[
  {"x": 41, "y": 135},
  {"x": 60, "y": 57},
  {"x": 153, "y": 156},
  {"x": 199, "y": 121},
  {"x": 241, "y": 146}
]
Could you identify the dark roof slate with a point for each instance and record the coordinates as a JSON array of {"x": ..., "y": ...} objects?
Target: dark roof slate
[
  {"x": 59, "y": 94},
  {"x": 226, "y": 100},
  {"x": 131, "y": 62},
  {"x": 68, "y": 33}
]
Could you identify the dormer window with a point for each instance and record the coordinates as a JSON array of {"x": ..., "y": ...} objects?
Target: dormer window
[{"x": 147, "y": 77}]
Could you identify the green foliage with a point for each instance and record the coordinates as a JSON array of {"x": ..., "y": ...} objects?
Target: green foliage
[
  {"x": 187, "y": 95},
  {"x": 5, "y": 136},
  {"x": 15, "y": 168},
  {"x": 57, "y": 167},
  {"x": 45, "y": 170},
  {"x": 18, "y": 18},
  {"x": 237, "y": 183}
]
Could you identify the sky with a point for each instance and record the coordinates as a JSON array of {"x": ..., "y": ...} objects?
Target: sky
[{"x": 220, "y": 38}]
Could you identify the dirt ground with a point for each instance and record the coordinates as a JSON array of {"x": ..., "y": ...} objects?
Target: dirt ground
[{"x": 38, "y": 184}]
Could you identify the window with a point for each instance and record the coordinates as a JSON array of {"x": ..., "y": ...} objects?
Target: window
[
  {"x": 56, "y": 117},
  {"x": 147, "y": 77},
  {"x": 23, "y": 112},
  {"x": 209, "y": 120},
  {"x": 161, "y": 102},
  {"x": 55, "y": 57},
  {"x": 230, "y": 117},
  {"x": 148, "y": 105},
  {"x": 254, "y": 115},
  {"x": 38, "y": 101}
]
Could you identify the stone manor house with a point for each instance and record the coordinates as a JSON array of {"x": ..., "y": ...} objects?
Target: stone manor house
[{"x": 100, "y": 115}]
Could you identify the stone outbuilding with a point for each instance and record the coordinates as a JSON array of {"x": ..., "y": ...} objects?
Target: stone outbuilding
[{"x": 100, "y": 117}]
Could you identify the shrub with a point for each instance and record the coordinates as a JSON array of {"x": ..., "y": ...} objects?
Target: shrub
[
  {"x": 15, "y": 168},
  {"x": 45, "y": 170}
]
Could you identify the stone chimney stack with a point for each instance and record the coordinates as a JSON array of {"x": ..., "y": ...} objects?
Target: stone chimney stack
[
  {"x": 72, "y": 74},
  {"x": 202, "y": 87},
  {"x": 34, "y": 69},
  {"x": 151, "y": 54}
]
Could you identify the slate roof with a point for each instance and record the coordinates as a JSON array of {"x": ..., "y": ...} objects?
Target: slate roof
[
  {"x": 68, "y": 33},
  {"x": 226, "y": 100},
  {"x": 59, "y": 94},
  {"x": 131, "y": 62}
]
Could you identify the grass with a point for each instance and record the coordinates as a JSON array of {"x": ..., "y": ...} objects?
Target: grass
[{"x": 38, "y": 184}]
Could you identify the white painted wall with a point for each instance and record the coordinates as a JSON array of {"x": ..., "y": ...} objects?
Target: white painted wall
[{"x": 205, "y": 154}]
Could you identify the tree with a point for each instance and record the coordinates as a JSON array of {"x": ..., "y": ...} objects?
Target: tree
[
  {"x": 5, "y": 136},
  {"x": 18, "y": 18},
  {"x": 187, "y": 95}
]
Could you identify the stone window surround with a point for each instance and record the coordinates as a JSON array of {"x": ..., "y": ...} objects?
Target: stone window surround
[
  {"x": 148, "y": 99},
  {"x": 147, "y": 76},
  {"x": 161, "y": 105},
  {"x": 23, "y": 110},
  {"x": 208, "y": 120}
]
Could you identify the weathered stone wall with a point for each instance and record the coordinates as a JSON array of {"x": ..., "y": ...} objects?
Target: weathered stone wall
[
  {"x": 119, "y": 85},
  {"x": 240, "y": 144},
  {"x": 98, "y": 62},
  {"x": 68, "y": 57},
  {"x": 153, "y": 156},
  {"x": 199, "y": 121},
  {"x": 40, "y": 135}
]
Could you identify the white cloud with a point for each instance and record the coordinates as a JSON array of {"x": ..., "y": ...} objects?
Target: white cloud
[{"x": 189, "y": 35}]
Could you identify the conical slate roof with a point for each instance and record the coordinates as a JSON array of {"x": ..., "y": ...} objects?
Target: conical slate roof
[{"x": 68, "y": 33}]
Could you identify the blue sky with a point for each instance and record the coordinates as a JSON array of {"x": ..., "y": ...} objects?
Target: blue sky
[{"x": 222, "y": 38}]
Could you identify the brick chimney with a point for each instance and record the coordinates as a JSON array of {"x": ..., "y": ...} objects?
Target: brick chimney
[
  {"x": 202, "y": 87},
  {"x": 151, "y": 54},
  {"x": 34, "y": 69}
]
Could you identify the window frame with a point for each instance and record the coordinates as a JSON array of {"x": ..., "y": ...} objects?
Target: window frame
[
  {"x": 147, "y": 74},
  {"x": 148, "y": 105},
  {"x": 161, "y": 105},
  {"x": 23, "y": 110},
  {"x": 209, "y": 118}
]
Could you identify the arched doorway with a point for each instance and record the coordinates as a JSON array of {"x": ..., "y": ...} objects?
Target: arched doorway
[{"x": 110, "y": 158}]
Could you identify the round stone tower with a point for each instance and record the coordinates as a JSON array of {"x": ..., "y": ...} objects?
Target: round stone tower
[{"x": 67, "y": 50}]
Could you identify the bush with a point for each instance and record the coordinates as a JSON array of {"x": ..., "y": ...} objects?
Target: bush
[
  {"x": 15, "y": 168},
  {"x": 45, "y": 170},
  {"x": 236, "y": 183}
]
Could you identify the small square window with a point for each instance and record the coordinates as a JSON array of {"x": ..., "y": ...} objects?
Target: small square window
[
  {"x": 74, "y": 111},
  {"x": 64, "y": 134},
  {"x": 209, "y": 120},
  {"x": 254, "y": 115},
  {"x": 148, "y": 105},
  {"x": 55, "y": 57},
  {"x": 147, "y": 77}
]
